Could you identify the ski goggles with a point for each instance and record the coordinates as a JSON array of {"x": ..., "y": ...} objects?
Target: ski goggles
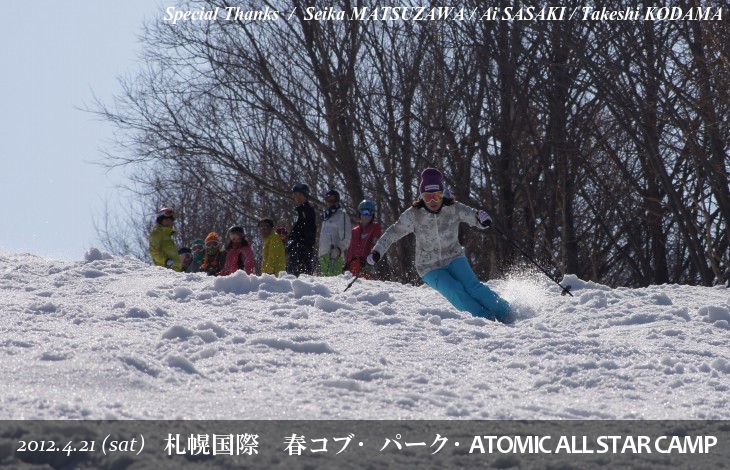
[
  {"x": 197, "y": 248},
  {"x": 170, "y": 213},
  {"x": 212, "y": 244},
  {"x": 366, "y": 212},
  {"x": 434, "y": 196}
]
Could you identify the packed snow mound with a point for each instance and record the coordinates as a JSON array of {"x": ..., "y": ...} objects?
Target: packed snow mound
[
  {"x": 114, "y": 338},
  {"x": 95, "y": 254}
]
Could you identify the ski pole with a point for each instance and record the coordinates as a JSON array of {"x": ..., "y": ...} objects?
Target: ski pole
[
  {"x": 565, "y": 290},
  {"x": 357, "y": 276}
]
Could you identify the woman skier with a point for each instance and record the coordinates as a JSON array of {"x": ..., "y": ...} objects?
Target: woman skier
[{"x": 440, "y": 260}]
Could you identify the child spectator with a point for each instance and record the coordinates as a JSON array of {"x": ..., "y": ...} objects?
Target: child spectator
[
  {"x": 239, "y": 254},
  {"x": 162, "y": 249},
  {"x": 198, "y": 250},
  {"x": 273, "y": 256},
  {"x": 214, "y": 258},
  {"x": 186, "y": 259}
]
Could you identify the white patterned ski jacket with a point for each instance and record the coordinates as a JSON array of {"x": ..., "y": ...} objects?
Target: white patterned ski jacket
[
  {"x": 437, "y": 234},
  {"x": 336, "y": 231}
]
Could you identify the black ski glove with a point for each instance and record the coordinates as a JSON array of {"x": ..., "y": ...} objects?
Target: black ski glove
[{"x": 373, "y": 258}]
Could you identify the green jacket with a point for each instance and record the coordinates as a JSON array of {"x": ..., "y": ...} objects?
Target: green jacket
[
  {"x": 162, "y": 248},
  {"x": 274, "y": 259}
]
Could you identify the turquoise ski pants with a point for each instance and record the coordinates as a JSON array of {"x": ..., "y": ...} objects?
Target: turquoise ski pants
[{"x": 457, "y": 282}]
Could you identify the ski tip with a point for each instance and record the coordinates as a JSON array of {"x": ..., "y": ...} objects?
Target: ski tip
[{"x": 509, "y": 319}]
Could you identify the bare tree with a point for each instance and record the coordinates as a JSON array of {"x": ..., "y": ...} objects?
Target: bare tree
[{"x": 599, "y": 147}]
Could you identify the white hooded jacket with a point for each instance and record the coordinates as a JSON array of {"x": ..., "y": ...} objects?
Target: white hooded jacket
[
  {"x": 437, "y": 234},
  {"x": 337, "y": 231}
]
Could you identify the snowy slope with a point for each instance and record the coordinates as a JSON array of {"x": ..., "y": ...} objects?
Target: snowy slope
[{"x": 114, "y": 338}]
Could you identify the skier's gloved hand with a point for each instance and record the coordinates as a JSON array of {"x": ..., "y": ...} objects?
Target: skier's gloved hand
[
  {"x": 373, "y": 258},
  {"x": 335, "y": 252},
  {"x": 483, "y": 218},
  {"x": 169, "y": 263}
]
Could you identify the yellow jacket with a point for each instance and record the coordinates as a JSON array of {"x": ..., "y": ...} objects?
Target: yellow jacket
[
  {"x": 274, "y": 259},
  {"x": 162, "y": 248}
]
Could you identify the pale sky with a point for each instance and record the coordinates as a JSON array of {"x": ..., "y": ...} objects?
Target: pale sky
[{"x": 54, "y": 57}]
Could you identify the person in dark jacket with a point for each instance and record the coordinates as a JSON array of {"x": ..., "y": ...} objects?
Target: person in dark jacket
[{"x": 303, "y": 235}]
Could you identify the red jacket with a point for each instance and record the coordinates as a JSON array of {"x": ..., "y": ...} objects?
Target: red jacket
[
  {"x": 239, "y": 258},
  {"x": 363, "y": 241}
]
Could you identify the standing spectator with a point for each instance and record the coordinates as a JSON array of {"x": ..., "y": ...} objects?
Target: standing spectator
[
  {"x": 239, "y": 254},
  {"x": 300, "y": 244},
  {"x": 214, "y": 258},
  {"x": 162, "y": 249},
  {"x": 364, "y": 236},
  {"x": 283, "y": 236},
  {"x": 198, "y": 249},
  {"x": 273, "y": 258},
  {"x": 334, "y": 239}
]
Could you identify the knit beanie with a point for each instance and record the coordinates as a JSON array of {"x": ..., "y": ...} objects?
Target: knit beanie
[
  {"x": 431, "y": 181},
  {"x": 212, "y": 237},
  {"x": 200, "y": 254}
]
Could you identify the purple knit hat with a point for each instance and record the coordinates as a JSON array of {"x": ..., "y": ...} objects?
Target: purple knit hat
[{"x": 431, "y": 181}]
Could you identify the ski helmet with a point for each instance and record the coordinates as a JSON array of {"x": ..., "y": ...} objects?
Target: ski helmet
[
  {"x": 165, "y": 213},
  {"x": 366, "y": 206},
  {"x": 301, "y": 188}
]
